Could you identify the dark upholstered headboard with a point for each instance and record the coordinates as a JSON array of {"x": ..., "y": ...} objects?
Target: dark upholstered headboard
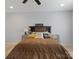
[{"x": 40, "y": 28}]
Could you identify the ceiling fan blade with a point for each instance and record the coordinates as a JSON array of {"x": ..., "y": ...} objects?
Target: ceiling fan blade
[
  {"x": 24, "y": 1},
  {"x": 38, "y": 2}
]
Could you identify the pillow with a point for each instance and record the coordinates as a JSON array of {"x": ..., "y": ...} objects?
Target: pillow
[
  {"x": 47, "y": 35},
  {"x": 39, "y": 34},
  {"x": 35, "y": 35},
  {"x": 45, "y": 32},
  {"x": 32, "y": 35}
]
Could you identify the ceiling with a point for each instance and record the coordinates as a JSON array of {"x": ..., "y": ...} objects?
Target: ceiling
[{"x": 31, "y": 6}]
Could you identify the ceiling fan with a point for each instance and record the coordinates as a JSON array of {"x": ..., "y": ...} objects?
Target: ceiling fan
[{"x": 37, "y": 1}]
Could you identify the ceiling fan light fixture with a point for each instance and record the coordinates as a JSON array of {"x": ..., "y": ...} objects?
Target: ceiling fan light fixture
[
  {"x": 38, "y": 2},
  {"x": 24, "y": 1}
]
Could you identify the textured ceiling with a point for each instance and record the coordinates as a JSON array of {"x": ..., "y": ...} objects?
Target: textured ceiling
[{"x": 31, "y": 6}]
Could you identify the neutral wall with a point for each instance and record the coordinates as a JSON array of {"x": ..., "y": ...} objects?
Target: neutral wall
[{"x": 61, "y": 23}]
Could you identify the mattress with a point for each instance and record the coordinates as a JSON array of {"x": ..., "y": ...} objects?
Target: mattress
[{"x": 39, "y": 49}]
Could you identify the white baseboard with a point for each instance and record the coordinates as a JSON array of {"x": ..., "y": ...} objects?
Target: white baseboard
[
  {"x": 67, "y": 44},
  {"x": 7, "y": 42}
]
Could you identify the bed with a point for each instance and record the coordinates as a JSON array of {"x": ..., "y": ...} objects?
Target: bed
[{"x": 38, "y": 48}]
